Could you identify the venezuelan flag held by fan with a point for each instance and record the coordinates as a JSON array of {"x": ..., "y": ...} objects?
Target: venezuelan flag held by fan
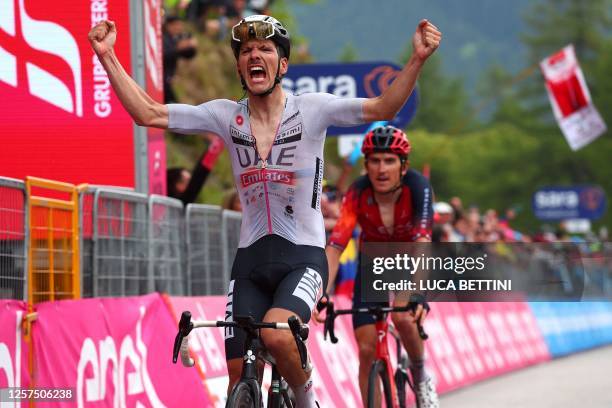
[{"x": 347, "y": 270}]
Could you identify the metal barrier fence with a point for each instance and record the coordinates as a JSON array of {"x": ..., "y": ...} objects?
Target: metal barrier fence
[
  {"x": 130, "y": 244},
  {"x": 205, "y": 268},
  {"x": 13, "y": 239},
  {"x": 166, "y": 238},
  {"x": 120, "y": 247},
  {"x": 230, "y": 236},
  {"x": 53, "y": 245}
]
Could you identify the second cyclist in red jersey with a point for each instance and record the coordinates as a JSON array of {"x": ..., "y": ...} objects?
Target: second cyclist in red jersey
[{"x": 391, "y": 203}]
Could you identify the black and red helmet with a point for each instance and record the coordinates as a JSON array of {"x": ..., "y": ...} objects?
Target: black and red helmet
[{"x": 386, "y": 139}]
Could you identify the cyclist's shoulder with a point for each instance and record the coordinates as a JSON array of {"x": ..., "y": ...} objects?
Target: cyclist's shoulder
[
  {"x": 313, "y": 99},
  {"x": 223, "y": 105},
  {"x": 415, "y": 179},
  {"x": 361, "y": 184},
  {"x": 413, "y": 174}
]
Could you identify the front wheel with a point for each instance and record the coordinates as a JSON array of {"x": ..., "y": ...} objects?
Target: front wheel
[
  {"x": 378, "y": 374},
  {"x": 401, "y": 381},
  {"x": 241, "y": 397}
]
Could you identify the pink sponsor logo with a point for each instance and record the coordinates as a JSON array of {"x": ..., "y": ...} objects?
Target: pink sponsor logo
[{"x": 115, "y": 352}]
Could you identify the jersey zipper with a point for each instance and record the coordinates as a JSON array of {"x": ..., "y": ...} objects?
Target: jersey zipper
[{"x": 264, "y": 165}]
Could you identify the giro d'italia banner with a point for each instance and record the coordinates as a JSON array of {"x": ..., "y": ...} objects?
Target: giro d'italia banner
[
  {"x": 61, "y": 118},
  {"x": 571, "y": 101}
]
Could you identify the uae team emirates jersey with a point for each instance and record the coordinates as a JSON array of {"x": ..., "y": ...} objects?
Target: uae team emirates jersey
[{"x": 279, "y": 194}]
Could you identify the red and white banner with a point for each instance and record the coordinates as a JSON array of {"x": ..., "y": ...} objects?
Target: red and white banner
[
  {"x": 571, "y": 101},
  {"x": 113, "y": 352},
  {"x": 154, "y": 86},
  {"x": 13, "y": 349}
]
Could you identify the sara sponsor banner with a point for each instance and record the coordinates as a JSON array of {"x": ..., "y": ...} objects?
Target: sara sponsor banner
[
  {"x": 363, "y": 80},
  {"x": 112, "y": 352},
  {"x": 13, "y": 349},
  {"x": 559, "y": 203},
  {"x": 62, "y": 120},
  {"x": 571, "y": 101}
]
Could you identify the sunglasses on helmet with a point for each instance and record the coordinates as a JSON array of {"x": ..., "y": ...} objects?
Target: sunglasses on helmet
[{"x": 247, "y": 30}]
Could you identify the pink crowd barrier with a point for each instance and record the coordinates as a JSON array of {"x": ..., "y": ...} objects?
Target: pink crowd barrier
[
  {"x": 117, "y": 351},
  {"x": 13, "y": 349},
  {"x": 114, "y": 352}
]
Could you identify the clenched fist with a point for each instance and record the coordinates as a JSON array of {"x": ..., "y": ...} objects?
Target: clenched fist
[
  {"x": 102, "y": 37},
  {"x": 426, "y": 39}
]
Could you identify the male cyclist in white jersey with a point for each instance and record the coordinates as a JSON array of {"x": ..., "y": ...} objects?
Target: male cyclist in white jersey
[{"x": 275, "y": 141}]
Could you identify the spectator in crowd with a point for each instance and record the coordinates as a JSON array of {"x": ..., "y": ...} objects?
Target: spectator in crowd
[
  {"x": 176, "y": 7},
  {"x": 236, "y": 9},
  {"x": 177, "y": 179},
  {"x": 330, "y": 206},
  {"x": 177, "y": 43},
  {"x": 231, "y": 201},
  {"x": 457, "y": 204},
  {"x": 199, "y": 10},
  {"x": 186, "y": 185},
  {"x": 461, "y": 228}
]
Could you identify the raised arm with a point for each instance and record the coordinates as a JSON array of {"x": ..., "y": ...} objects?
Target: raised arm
[
  {"x": 142, "y": 108},
  {"x": 425, "y": 41}
]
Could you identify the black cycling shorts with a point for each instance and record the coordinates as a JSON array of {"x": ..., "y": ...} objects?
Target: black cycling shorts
[
  {"x": 273, "y": 273},
  {"x": 361, "y": 319}
]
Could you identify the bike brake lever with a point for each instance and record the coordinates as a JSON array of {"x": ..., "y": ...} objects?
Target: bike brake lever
[
  {"x": 185, "y": 327},
  {"x": 328, "y": 328},
  {"x": 297, "y": 329}
]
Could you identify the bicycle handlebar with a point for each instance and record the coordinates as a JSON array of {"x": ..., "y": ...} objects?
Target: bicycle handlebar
[
  {"x": 331, "y": 315},
  {"x": 186, "y": 325}
]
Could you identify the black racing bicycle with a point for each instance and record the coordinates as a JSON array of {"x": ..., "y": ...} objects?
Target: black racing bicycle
[{"x": 247, "y": 391}]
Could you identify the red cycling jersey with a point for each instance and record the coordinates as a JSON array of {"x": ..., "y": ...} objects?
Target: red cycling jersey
[{"x": 412, "y": 219}]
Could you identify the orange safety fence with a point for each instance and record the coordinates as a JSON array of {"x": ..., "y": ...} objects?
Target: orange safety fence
[{"x": 53, "y": 255}]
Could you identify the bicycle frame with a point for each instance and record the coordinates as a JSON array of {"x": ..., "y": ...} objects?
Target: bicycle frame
[{"x": 382, "y": 353}]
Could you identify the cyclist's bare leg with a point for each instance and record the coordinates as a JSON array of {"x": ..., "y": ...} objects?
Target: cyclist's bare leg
[
  {"x": 234, "y": 370},
  {"x": 366, "y": 341},
  {"x": 281, "y": 344},
  {"x": 411, "y": 340}
]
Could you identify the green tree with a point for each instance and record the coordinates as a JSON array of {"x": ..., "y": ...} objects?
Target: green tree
[
  {"x": 553, "y": 24},
  {"x": 443, "y": 102},
  {"x": 349, "y": 53}
]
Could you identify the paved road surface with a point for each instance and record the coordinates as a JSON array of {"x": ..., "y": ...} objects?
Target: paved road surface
[{"x": 583, "y": 380}]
